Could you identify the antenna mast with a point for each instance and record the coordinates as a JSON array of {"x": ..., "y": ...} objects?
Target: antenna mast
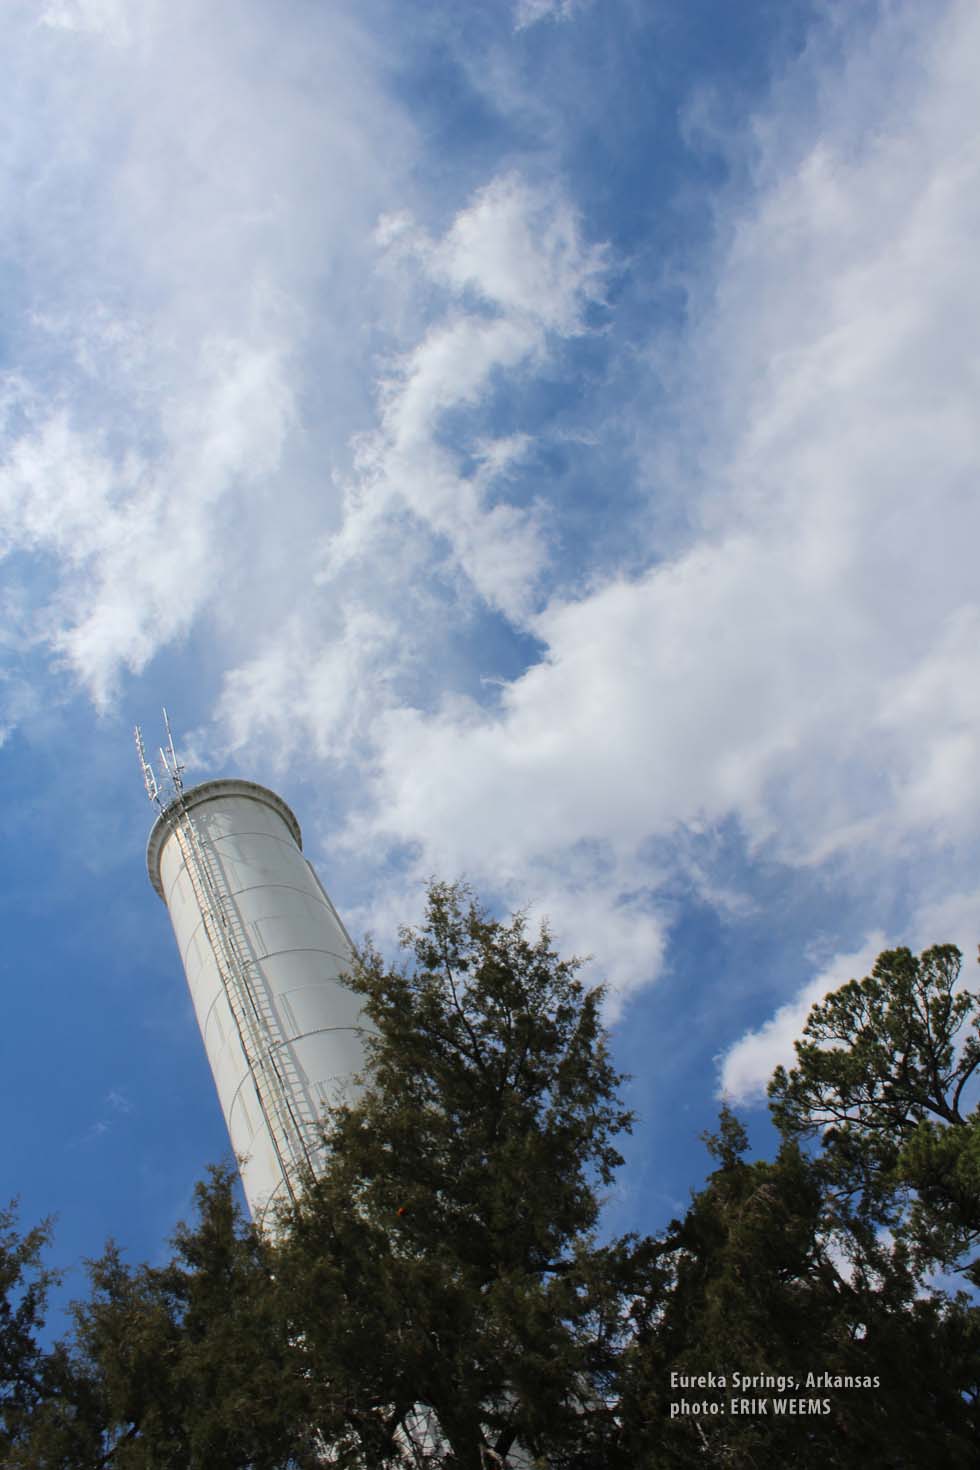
[
  {"x": 149, "y": 779},
  {"x": 171, "y": 768},
  {"x": 171, "y": 764}
]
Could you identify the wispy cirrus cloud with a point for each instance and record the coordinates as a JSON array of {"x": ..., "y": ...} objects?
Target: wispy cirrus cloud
[
  {"x": 518, "y": 274},
  {"x": 530, "y": 12},
  {"x": 802, "y": 661},
  {"x": 796, "y": 658},
  {"x": 133, "y": 536},
  {"x": 428, "y": 528},
  {"x": 175, "y": 227}
]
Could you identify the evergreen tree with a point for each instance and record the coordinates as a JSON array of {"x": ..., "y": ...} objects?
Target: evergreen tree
[
  {"x": 179, "y": 1367},
  {"x": 882, "y": 1079},
  {"x": 767, "y": 1284},
  {"x": 440, "y": 1297},
  {"x": 25, "y": 1284},
  {"x": 445, "y": 1289}
]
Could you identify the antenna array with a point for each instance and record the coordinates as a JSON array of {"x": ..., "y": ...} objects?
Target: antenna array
[
  {"x": 149, "y": 779},
  {"x": 171, "y": 769}
]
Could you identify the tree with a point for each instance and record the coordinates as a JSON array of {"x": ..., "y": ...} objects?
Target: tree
[
  {"x": 765, "y": 1284},
  {"x": 443, "y": 1282},
  {"x": 881, "y": 1079},
  {"x": 25, "y": 1285},
  {"x": 439, "y": 1297},
  {"x": 179, "y": 1367}
]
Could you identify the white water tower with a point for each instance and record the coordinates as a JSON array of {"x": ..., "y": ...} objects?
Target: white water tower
[{"x": 262, "y": 948}]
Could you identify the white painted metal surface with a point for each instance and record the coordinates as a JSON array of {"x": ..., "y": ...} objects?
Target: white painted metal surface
[{"x": 262, "y": 947}]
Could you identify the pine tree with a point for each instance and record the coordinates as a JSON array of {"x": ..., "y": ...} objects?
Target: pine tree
[
  {"x": 446, "y": 1291},
  {"x": 25, "y": 1285},
  {"x": 441, "y": 1296},
  {"x": 767, "y": 1283},
  {"x": 882, "y": 1079}
]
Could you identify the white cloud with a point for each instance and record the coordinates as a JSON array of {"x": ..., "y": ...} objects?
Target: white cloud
[
  {"x": 598, "y": 919},
  {"x": 521, "y": 249},
  {"x": 515, "y": 278},
  {"x": 103, "y": 17},
  {"x": 803, "y": 663},
  {"x": 178, "y": 221},
  {"x": 530, "y": 12},
  {"x": 932, "y": 713},
  {"x": 305, "y": 694},
  {"x": 519, "y": 252},
  {"x": 135, "y": 540},
  {"x": 581, "y": 901},
  {"x": 807, "y": 662},
  {"x": 748, "y": 1065},
  {"x": 950, "y": 919}
]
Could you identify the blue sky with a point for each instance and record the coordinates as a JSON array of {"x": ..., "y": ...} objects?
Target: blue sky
[{"x": 539, "y": 439}]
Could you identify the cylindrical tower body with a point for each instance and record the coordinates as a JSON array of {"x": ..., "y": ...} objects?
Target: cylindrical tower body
[{"x": 262, "y": 948}]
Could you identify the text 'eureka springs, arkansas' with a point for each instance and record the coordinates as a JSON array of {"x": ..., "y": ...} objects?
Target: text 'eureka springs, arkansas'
[{"x": 738, "y": 1393}]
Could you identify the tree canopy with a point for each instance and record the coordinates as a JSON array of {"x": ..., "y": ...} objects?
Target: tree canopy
[
  {"x": 883, "y": 1080},
  {"x": 443, "y": 1295},
  {"x": 448, "y": 1245}
]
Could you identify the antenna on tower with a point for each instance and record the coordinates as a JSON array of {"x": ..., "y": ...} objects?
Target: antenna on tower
[
  {"x": 171, "y": 768},
  {"x": 149, "y": 779},
  {"x": 171, "y": 764}
]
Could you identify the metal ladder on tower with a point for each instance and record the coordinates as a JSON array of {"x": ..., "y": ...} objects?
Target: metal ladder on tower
[
  {"x": 272, "y": 1092},
  {"x": 291, "y": 1142},
  {"x": 267, "y": 1020}
]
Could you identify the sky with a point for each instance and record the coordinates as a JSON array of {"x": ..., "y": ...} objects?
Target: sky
[{"x": 538, "y": 438}]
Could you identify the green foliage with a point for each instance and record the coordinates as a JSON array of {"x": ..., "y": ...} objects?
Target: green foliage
[
  {"x": 439, "y": 1298},
  {"x": 447, "y": 1247},
  {"x": 878, "y": 1055},
  {"x": 25, "y": 1284},
  {"x": 767, "y": 1284},
  {"x": 181, "y": 1367},
  {"x": 881, "y": 1079}
]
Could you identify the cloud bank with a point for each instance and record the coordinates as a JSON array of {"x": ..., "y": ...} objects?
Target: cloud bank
[{"x": 233, "y": 272}]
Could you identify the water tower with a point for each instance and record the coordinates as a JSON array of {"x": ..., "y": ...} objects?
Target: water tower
[{"x": 262, "y": 948}]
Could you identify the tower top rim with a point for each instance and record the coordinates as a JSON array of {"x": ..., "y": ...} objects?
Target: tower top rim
[{"x": 197, "y": 796}]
